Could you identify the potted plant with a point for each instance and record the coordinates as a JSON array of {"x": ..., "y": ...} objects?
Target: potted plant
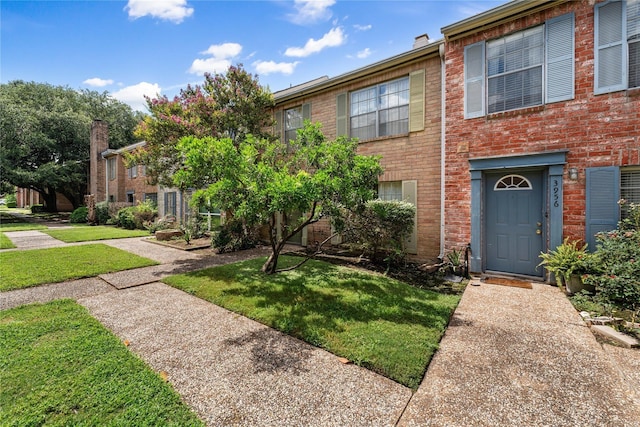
[{"x": 567, "y": 263}]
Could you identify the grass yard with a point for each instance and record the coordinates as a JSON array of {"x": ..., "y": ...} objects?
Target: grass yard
[
  {"x": 23, "y": 269},
  {"x": 87, "y": 233},
  {"x": 5, "y": 242},
  {"x": 60, "y": 367},
  {"x": 376, "y": 322}
]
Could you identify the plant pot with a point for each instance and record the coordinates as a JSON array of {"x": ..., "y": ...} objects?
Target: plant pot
[{"x": 575, "y": 285}]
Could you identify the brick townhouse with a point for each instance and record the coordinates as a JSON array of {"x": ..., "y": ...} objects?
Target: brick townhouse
[
  {"x": 393, "y": 108},
  {"x": 542, "y": 105},
  {"x": 109, "y": 178}
]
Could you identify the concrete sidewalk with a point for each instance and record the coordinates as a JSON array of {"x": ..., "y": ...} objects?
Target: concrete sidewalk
[{"x": 510, "y": 357}]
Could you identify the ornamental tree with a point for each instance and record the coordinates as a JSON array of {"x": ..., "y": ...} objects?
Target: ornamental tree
[
  {"x": 230, "y": 105},
  {"x": 259, "y": 179}
]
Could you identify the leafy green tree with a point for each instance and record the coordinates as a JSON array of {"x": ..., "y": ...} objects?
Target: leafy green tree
[
  {"x": 260, "y": 179},
  {"x": 231, "y": 105},
  {"x": 45, "y": 133}
]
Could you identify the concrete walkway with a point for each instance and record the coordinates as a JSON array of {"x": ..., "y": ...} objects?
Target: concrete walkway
[{"x": 511, "y": 357}]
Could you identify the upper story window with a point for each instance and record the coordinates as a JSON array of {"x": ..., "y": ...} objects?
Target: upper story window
[
  {"x": 111, "y": 168},
  {"x": 380, "y": 110},
  {"x": 617, "y": 45},
  {"x": 524, "y": 69},
  {"x": 287, "y": 122},
  {"x": 132, "y": 171},
  {"x": 292, "y": 122}
]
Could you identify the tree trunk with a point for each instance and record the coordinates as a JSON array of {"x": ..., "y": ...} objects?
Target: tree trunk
[{"x": 50, "y": 200}]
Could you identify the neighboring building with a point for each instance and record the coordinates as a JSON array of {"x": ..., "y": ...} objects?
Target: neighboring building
[
  {"x": 26, "y": 197},
  {"x": 393, "y": 107},
  {"x": 109, "y": 178},
  {"x": 542, "y": 127}
]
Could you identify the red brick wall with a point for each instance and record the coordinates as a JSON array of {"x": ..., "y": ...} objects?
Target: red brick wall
[
  {"x": 597, "y": 130},
  {"x": 415, "y": 156}
]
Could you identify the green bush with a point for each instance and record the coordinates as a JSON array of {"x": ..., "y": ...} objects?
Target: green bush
[
  {"x": 11, "y": 201},
  {"x": 102, "y": 213},
  {"x": 232, "y": 236},
  {"x": 79, "y": 216},
  {"x": 126, "y": 218},
  {"x": 136, "y": 217},
  {"x": 616, "y": 269},
  {"x": 380, "y": 229}
]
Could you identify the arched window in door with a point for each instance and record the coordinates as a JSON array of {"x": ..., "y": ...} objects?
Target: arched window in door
[{"x": 512, "y": 182}]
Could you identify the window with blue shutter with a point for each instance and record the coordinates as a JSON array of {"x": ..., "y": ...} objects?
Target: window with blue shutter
[
  {"x": 523, "y": 69},
  {"x": 602, "y": 195},
  {"x": 617, "y": 45}
]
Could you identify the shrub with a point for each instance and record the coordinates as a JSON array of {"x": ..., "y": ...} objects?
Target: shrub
[
  {"x": 380, "y": 229},
  {"x": 102, "y": 213},
  {"x": 163, "y": 223},
  {"x": 617, "y": 269},
  {"x": 233, "y": 236},
  {"x": 136, "y": 217},
  {"x": 11, "y": 201},
  {"x": 79, "y": 216},
  {"x": 126, "y": 218}
]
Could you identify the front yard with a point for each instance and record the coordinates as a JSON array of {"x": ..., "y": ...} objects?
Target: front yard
[{"x": 371, "y": 320}]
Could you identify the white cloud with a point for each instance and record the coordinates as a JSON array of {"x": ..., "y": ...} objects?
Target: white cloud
[
  {"x": 362, "y": 27},
  {"x": 269, "y": 67},
  {"x": 220, "y": 61},
  {"x": 310, "y": 11},
  {"x": 333, "y": 38},
  {"x": 224, "y": 50},
  {"x": 98, "y": 82},
  {"x": 364, "y": 53},
  {"x": 134, "y": 95},
  {"x": 169, "y": 10}
]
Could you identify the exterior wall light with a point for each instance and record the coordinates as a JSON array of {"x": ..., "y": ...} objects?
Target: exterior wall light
[{"x": 573, "y": 174}]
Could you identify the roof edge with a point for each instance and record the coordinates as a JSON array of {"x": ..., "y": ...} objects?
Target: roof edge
[
  {"x": 492, "y": 17},
  {"x": 321, "y": 84}
]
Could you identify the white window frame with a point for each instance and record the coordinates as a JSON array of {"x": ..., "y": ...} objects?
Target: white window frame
[
  {"x": 629, "y": 188},
  {"x": 557, "y": 68},
  {"x": 293, "y": 120},
  {"x": 132, "y": 171},
  {"x": 376, "y": 108}
]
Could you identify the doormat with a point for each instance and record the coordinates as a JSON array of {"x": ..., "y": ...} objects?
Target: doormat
[{"x": 507, "y": 282}]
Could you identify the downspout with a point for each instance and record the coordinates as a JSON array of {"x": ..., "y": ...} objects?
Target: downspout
[{"x": 442, "y": 146}]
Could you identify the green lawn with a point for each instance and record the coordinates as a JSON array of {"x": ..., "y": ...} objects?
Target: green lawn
[
  {"x": 376, "y": 322},
  {"x": 23, "y": 269},
  {"x": 60, "y": 367},
  {"x": 86, "y": 233},
  {"x": 5, "y": 242}
]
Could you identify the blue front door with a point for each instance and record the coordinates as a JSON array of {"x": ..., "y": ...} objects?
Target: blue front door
[{"x": 513, "y": 222}]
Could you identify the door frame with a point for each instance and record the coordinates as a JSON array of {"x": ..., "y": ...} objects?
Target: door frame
[{"x": 553, "y": 165}]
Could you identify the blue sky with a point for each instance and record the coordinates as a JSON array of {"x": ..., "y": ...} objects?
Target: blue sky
[{"x": 145, "y": 47}]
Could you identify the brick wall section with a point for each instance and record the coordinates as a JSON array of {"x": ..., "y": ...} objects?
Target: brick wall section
[
  {"x": 119, "y": 187},
  {"x": 413, "y": 156},
  {"x": 597, "y": 130}
]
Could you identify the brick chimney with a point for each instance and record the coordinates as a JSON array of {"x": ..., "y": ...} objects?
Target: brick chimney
[{"x": 99, "y": 142}]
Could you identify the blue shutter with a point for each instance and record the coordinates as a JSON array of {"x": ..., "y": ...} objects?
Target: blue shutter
[
  {"x": 610, "y": 61},
  {"x": 603, "y": 193},
  {"x": 560, "y": 58},
  {"x": 474, "y": 80}
]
